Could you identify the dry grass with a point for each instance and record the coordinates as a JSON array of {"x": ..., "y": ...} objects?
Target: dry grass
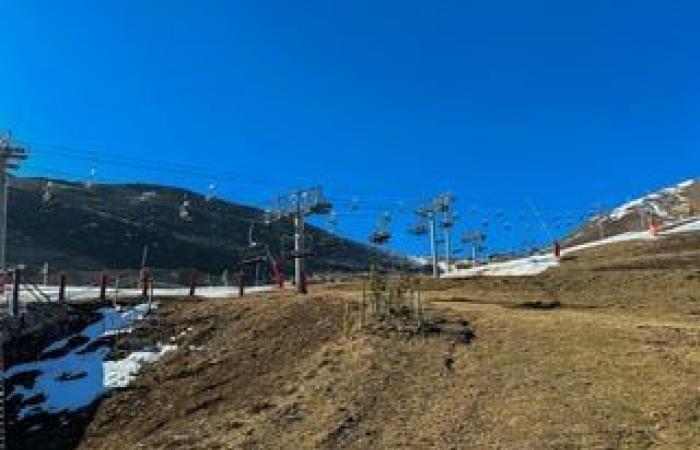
[{"x": 617, "y": 366}]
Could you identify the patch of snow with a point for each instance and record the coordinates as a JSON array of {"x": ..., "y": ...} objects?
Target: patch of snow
[
  {"x": 118, "y": 374},
  {"x": 535, "y": 265},
  {"x": 688, "y": 227},
  {"x": 531, "y": 265},
  {"x": 77, "y": 379},
  {"x": 686, "y": 184}
]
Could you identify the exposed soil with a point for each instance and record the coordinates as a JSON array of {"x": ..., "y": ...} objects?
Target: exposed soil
[{"x": 602, "y": 352}]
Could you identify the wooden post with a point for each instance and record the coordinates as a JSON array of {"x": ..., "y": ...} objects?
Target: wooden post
[
  {"x": 103, "y": 287},
  {"x": 62, "y": 288},
  {"x": 144, "y": 283}
]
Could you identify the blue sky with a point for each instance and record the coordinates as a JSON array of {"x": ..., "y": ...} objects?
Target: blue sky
[{"x": 565, "y": 103}]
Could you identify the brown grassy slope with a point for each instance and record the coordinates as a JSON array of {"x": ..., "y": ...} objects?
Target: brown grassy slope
[{"x": 616, "y": 367}]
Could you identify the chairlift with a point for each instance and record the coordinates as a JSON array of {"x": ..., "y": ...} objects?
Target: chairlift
[
  {"x": 267, "y": 217},
  {"x": 184, "y": 210},
  {"x": 211, "y": 193},
  {"x": 382, "y": 234},
  {"x": 319, "y": 204},
  {"x": 354, "y": 204},
  {"x": 47, "y": 194},
  {"x": 380, "y": 237},
  {"x": 419, "y": 228},
  {"x": 332, "y": 220},
  {"x": 91, "y": 181}
]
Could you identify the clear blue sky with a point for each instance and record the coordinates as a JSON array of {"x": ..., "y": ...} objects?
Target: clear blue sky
[{"x": 567, "y": 103}]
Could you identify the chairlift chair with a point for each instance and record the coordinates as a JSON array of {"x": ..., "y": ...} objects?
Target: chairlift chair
[
  {"x": 419, "y": 228},
  {"x": 380, "y": 237},
  {"x": 184, "y": 210}
]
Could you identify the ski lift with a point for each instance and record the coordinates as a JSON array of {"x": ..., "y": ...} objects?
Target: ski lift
[
  {"x": 184, "y": 210},
  {"x": 442, "y": 203},
  {"x": 354, "y": 204},
  {"x": 419, "y": 228},
  {"x": 449, "y": 219},
  {"x": 211, "y": 193},
  {"x": 319, "y": 204},
  {"x": 382, "y": 234},
  {"x": 91, "y": 181},
  {"x": 267, "y": 217},
  {"x": 47, "y": 194}
]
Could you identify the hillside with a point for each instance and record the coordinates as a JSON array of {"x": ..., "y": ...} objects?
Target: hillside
[
  {"x": 600, "y": 353},
  {"x": 107, "y": 226},
  {"x": 665, "y": 206}
]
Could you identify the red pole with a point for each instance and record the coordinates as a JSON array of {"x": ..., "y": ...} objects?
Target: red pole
[
  {"x": 557, "y": 249},
  {"x": 144, "y": 283},
  {"x": 279, "y": 277},
  {"x": 241, "y": 284},
  {"x": 103, "y": 287},
  {"x": 62, "y": 288},
  {"x": 193, "y": 283}
]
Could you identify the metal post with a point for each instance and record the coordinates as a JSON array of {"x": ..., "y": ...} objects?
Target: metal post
[
  {"x": 299, "y": 252},
  {"x": 62, "y": 288},
  {"x": 45, "y": 272},
  {"x": 3, "y": 426},
  {"x": 4, "y": 188},
  {"x": 433, "y": 249},
  {"x": 3, "y": 221},
  {"x": 448, "y": 249},
  {"x": 116, "y": 291},
  {"x": 9, "y": 159}
]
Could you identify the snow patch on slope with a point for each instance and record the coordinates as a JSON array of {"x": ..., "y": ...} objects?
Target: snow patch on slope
[
  {"x": 659, "y": 203},
  {"x": 78, "y": 378}
]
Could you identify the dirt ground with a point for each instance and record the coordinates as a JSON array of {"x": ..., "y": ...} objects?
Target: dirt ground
[{"x": 602, "y": 352}]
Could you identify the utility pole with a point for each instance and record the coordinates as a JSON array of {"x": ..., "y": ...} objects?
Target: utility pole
[
  {"x": 10, "y": 156},
  {"x": 298, "y": 205}
]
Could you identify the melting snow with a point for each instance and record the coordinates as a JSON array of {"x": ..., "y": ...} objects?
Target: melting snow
[
  {"x": 77, "y": 379},
  {"x": 534, "y": 265},
  {"x": 118, "y": 374}
]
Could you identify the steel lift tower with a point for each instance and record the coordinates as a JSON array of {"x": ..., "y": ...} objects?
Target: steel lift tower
[{"x": 297, "y": 205}]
